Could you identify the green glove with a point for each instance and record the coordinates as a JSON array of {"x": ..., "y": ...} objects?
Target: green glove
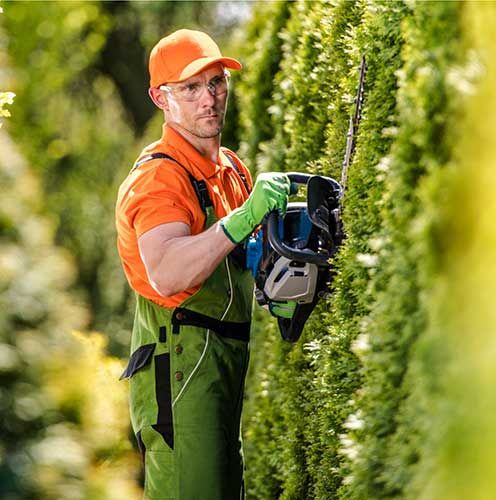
[
  {"x": 282, "y": 309},
  {"x": 270, "y": 192}
]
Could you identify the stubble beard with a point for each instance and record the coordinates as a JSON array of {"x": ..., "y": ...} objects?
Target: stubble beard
[{"x": 209, "y": 131}]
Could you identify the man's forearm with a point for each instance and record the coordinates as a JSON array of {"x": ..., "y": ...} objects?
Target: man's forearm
[{"x": 187, "y": 261}]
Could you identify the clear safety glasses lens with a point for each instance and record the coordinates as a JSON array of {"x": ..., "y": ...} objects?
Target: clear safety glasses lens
[{"x": 192, "y": 91}]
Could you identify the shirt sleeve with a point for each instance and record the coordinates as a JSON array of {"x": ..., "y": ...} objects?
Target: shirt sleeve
[{"x": 157, "y": 199}]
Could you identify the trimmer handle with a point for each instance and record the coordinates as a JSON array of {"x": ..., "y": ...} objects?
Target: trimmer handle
[
  {"x": 299, "y": 178},
  {"x": 285, "y": 250},
  {"x": 273, "y": 220}
]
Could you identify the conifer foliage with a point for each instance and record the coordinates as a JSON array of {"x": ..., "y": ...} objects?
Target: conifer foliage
[{"x": 355, "y": 409}]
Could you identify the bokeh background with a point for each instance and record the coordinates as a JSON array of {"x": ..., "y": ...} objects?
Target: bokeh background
[{"x": 390, "y": 391}]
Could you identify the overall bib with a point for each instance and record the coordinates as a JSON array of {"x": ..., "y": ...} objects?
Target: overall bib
[{"x": 187, "y": 371}]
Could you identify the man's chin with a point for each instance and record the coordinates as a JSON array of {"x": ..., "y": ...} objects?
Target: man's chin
[{"x": 209, "y": 132}]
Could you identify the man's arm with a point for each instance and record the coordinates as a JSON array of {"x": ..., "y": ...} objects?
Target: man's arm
[{"x": 175, "y": 261}]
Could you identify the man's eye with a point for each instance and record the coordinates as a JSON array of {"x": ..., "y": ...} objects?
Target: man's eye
[
  {"x": 216, "y": 81},
  {"x": 191, "y": 87}
]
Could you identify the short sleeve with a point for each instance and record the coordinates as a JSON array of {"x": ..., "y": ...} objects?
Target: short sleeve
[{"x": 156, "y": 199}]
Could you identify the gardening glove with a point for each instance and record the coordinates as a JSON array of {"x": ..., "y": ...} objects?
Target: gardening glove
[
  {"x": 270, "y": 192},
  {"x": 284, "y": 309}
]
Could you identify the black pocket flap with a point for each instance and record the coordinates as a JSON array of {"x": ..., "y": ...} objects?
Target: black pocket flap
[{"x": 140, "y": 358}]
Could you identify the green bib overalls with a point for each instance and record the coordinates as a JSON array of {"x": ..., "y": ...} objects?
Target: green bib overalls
[{"x": 187, "y": 372}]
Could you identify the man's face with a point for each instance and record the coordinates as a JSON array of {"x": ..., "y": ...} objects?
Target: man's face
[{"x": 203, "y": 117}]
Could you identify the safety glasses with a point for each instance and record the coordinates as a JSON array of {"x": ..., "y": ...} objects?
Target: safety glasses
[{"x": 193, "y": 88}]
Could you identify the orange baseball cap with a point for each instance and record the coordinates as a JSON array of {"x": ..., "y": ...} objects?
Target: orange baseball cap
[{"x": 183, "y": 54}]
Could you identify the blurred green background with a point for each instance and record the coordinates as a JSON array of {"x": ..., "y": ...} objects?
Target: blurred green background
[{"x": 390, "y": 391}]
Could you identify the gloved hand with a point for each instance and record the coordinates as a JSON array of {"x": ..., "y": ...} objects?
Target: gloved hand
[
  {"x": 284, "y": 309},
  {"x": 270, "y": 192}
]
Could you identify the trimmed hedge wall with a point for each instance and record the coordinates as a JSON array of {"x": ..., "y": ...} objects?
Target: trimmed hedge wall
[{"x": 355, "y": 409}]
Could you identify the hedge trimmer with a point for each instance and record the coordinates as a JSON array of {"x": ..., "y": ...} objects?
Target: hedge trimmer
[{"x": 289, "y": 256}]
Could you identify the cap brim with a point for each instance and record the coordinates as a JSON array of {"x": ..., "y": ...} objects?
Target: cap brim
[{"x": 198, "y": 65}]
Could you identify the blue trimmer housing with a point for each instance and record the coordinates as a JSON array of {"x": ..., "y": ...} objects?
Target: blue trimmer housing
[{"x": 289, "y": 256}]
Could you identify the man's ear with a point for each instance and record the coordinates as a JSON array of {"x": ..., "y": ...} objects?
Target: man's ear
[{"x": 158, "y": 98}]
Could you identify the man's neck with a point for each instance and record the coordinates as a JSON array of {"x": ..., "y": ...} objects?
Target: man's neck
[{"x": 208, "y": 147}]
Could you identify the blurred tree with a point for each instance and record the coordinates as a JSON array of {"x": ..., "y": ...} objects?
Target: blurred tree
[
  {"x": 261, "y": 52},
  {"x": 456, "y": 357},
  {"x": 70, "y": 126},
  {"x": 54, "y": 443}
]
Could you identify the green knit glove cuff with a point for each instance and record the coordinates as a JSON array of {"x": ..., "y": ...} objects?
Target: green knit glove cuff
[{"x": 238, "y": 224}]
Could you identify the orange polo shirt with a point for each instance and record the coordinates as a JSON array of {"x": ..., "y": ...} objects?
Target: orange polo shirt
[{"x": 160, "y": 191}]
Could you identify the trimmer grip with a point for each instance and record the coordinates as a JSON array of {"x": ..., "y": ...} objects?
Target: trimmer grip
[
  {"x": 285, "y": 250},
  {"x": 299, "y": 178}
]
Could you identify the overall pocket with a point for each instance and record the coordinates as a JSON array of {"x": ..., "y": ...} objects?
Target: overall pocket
[
  {"x": 139, "y": 359},
  {"x": 150, "y": 398}
]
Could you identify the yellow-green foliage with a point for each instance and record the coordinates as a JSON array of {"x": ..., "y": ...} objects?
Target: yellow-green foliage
[
  {"x": 87, "y": 451},
  {"x": 388, "y": 432},
  {"x": 389, "y": 392},
  {"x": 463, "y": 315},
  {"x": 64, "y": 430},
  {"x": 5, "y": 98}
]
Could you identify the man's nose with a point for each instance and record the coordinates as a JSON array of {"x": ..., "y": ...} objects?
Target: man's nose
[{"x": 209, "y": 95}]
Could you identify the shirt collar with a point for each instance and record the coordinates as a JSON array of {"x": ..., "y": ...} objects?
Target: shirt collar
[{"x": 206, "y": 167}]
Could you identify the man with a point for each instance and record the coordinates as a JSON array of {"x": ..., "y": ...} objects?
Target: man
[{"x": 181, "y": 214}]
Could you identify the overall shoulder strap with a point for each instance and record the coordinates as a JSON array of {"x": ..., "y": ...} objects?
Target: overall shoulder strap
[
  {"x": 200, "y": 187},
  {"x": 236, "y": 167}
]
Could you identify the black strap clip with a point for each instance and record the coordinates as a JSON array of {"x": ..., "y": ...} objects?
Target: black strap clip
[
  {"x": 201, "y": 191},
  {"x": 227, "y": 329}
]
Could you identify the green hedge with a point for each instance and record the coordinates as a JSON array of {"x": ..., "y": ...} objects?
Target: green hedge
[
  {"x": 392, "y": 434},
  {"x": 348, "y": 411},
  {"x": 254, "y": 89}
]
